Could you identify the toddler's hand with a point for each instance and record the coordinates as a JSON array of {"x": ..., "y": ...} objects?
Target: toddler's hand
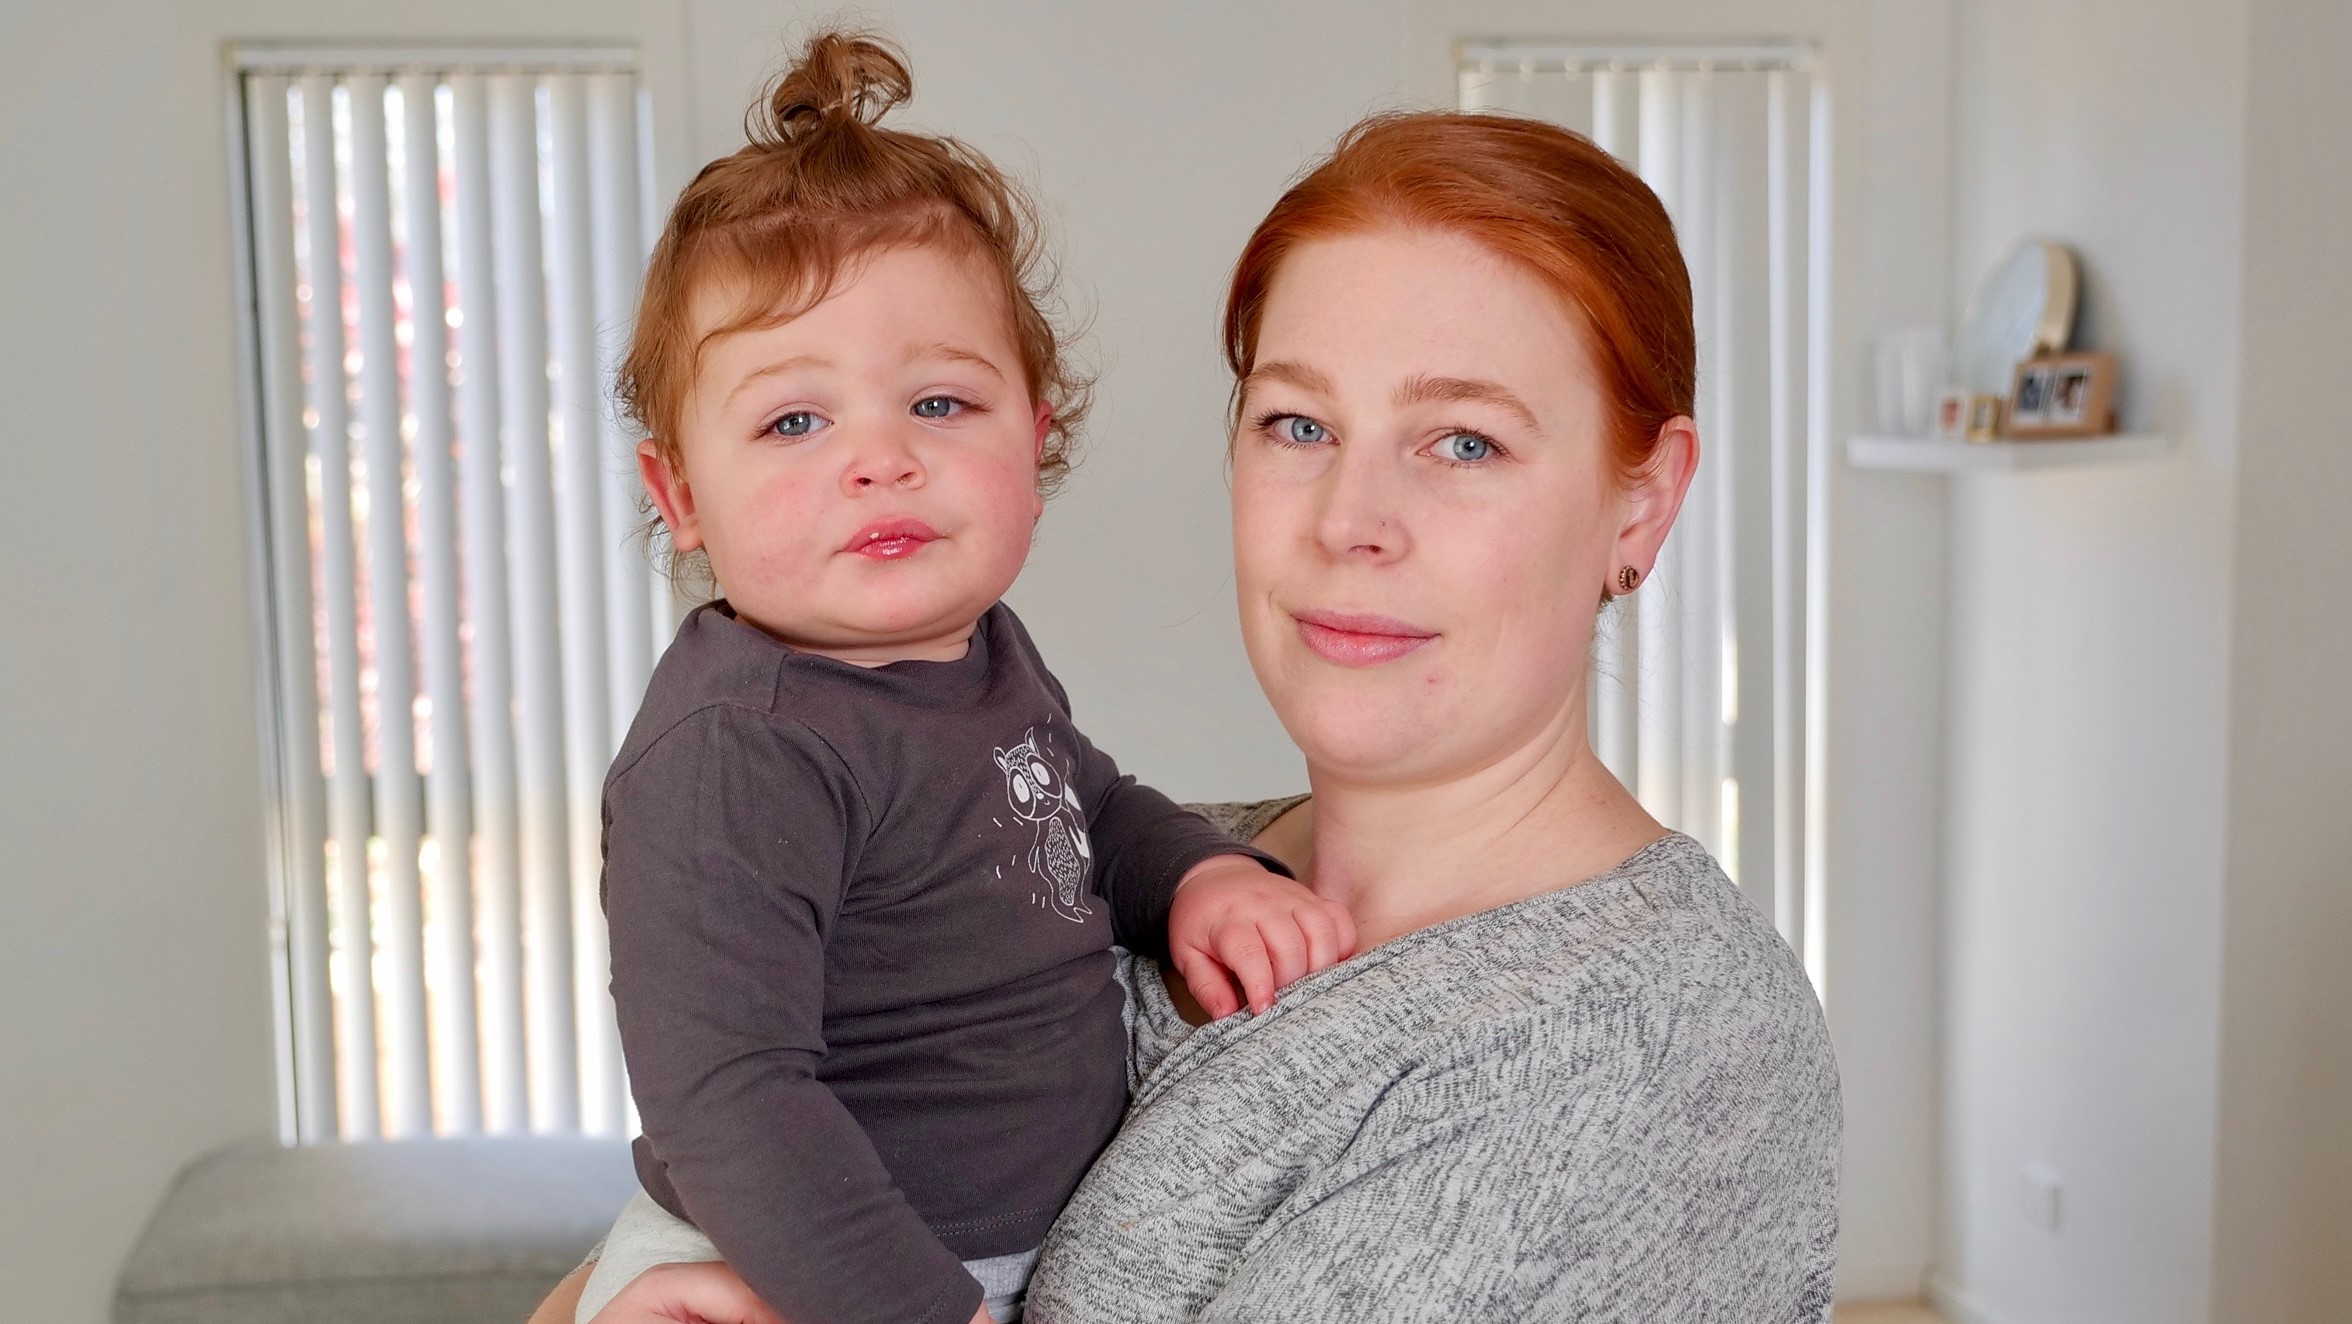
[{"x": 1234, "y": 924}]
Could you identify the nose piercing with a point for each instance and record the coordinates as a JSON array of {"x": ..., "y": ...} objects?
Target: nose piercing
[{"x": 1628, "y": 579}]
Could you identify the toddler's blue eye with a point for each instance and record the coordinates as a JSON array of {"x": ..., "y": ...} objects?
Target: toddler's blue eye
[
  {"x": 938, "y": 406},
  {"x": 798, "y": 423},
  {"x": 1464, "y": 448},
  {"x": 1303, "y": 430}
]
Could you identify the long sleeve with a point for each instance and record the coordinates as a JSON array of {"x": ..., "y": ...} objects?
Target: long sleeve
[
  {"x": 1144, "y": 844},
  {"x": 728, "y": 845}
]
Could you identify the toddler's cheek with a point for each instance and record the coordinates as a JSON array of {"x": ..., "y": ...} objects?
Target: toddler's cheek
[{"x": 1006, "y": 502}]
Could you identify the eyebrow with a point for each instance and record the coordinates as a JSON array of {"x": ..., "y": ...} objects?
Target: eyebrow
[
  {"x": 956, "y": 354},
  {"x": 778, "y": 368},
  {"x": 1295, "y": 374},
  {"x": 1421, "y": 390}
]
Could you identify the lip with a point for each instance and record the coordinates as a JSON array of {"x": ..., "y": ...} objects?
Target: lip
[
  {"x": 891, "y": 539},
  {"x": 1357, "y": 639}
]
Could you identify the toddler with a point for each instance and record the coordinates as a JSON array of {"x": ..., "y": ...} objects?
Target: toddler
[{"x": 863, "y": 876}]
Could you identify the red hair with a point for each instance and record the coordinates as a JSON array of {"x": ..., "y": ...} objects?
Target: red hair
[{"x": 1532, "y": 193}]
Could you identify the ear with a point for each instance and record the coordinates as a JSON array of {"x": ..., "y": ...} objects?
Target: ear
[
  {"x": 1003, "y": 760},
  {"x": 1654, "y": 499},
  {"x": 673, "y": 497}
]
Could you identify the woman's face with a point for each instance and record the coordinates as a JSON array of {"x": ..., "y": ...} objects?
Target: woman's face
[{"x": 1425, "y": 507}]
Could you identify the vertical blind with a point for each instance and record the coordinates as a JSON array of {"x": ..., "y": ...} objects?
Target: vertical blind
[
  {"x": 1702, "y": 681},
  {"x": 443, "y": 256}
]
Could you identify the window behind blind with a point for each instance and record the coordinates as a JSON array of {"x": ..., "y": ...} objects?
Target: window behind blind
[
  {"x": 1706, "y": 682},
  {"x": 443, "y": 251}
]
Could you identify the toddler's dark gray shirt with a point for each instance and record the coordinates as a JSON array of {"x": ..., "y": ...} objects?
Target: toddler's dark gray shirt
[{"x": 861, "y": 925}]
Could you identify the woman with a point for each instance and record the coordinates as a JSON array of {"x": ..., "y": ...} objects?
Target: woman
[{"x": 1572, "y": 1075}]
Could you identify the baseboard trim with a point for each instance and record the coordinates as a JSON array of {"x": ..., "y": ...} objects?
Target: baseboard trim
[
  {"x": 1884, "y": 1281},
  {"x": 1956, "y": 1304}
]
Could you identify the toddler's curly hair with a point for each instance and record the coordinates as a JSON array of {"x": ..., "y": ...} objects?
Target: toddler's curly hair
[{"x": 820, "y": 184}]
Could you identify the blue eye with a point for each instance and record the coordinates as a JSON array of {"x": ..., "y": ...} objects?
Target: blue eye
[
  {"x": 1301, "y": 430},
  {"x": 1464, "y": 448},
  {"x": 798, "y": 423},
  {"x": 939, "y": 406}
]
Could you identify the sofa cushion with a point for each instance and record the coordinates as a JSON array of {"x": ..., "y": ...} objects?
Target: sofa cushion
[{"x": 392, "y": 1232}]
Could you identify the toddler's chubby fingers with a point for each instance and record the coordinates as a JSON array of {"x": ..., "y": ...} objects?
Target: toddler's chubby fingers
[
  {"x": 1331, "y": 934},
  {"x": 1207, "y": 982},
  {"x": 1287, "y": 949},
  {"x": 1243, "y": 953}
]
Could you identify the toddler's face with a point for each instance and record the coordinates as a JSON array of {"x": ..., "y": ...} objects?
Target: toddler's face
[{"x": 863, "y": 476}]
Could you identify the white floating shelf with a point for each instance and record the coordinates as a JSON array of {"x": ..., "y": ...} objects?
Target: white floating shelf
[{"x": 1938, "y": 455}]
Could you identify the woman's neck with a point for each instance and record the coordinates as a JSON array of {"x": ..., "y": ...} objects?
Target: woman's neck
[{"x": 1403, "y": 858}]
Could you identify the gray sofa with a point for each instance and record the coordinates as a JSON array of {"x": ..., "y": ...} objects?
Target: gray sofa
[{"x": 393, "y": 1232}]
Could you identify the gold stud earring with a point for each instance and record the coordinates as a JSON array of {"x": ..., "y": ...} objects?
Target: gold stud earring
[{"x": 1628, "y": 579}]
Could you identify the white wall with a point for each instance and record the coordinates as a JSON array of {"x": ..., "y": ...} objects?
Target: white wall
[
  {"x": 2284, "y": 1205},
  {"x": 133, "y": 961},
  {"x": 2090, "y": 677},
  {"x": 1886, "y": 755},
  {"x": 135, "y": 956}
]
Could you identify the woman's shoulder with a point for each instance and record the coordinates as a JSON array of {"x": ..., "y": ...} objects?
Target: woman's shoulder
[
  {"x": 1243, "y": 820},
  {"x": 1661, "y": 959},
  {"x": 1665, "y": 925}
]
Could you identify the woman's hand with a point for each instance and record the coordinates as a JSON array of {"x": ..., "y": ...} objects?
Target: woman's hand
[
  {"x": 704, "y": 1293},
  {"x": 1235, "y": 926}
]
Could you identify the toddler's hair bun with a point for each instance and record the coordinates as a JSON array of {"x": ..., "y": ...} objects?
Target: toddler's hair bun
[{"x": 840, "y": 77}]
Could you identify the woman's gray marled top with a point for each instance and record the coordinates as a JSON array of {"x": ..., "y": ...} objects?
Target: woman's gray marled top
[{"x": 1616, "y": 1101}]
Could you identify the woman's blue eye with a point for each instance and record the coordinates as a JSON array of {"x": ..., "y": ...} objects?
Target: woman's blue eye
[
  {"x": 1303, "y": 430},
  {"x": 1464, "y": 448},
  {"x": 798, "y": 423},
  {"x": 938, "y": 406}
]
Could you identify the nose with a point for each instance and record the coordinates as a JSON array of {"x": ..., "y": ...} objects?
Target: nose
[
  {"x": 1360, "y": 514},
  {"x": 885, "y": 462}
]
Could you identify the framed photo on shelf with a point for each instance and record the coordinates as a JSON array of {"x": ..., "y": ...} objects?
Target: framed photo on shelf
[
  {"x": 1984, "y": 417},
  {"x": 2067, "y": 395}
]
